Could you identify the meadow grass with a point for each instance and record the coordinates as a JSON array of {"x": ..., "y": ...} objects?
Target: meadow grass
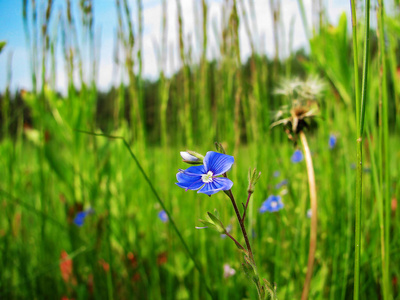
[{"x": 52, "y": 170}]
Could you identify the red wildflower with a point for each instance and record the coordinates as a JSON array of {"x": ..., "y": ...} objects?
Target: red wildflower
[{"x": 66, "y": 268}]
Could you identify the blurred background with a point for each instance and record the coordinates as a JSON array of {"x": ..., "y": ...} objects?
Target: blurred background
[{"x": 79, "y": 220}]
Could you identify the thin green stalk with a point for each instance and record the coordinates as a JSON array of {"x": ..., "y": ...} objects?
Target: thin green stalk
[
  {"x": 140, "y": 91},
  {"x": 378, "y": 194},
  {"x": 304, "y": 18},
  {"x": 355, "y": 58},
  {"x": 314, "y": 216},
  {"x": 163, "y": 83},
  {"x": 385, "y": 163},
  {"x": 161, "y": 202},
  {"x": 245, "y": 207},
  {"x": 359, "y": 153},
  {"x": 360, "y": 127},
  {"x": 110, "y": 286},
  {"x": 186, "y": 116}
]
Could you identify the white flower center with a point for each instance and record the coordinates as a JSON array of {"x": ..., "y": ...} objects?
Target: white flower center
[
  {"x": 274, "y": 204},
  {"x": 207, "y": 177}
]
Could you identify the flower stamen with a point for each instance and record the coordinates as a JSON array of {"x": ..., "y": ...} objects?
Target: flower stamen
[{"x": 207, "y": 177}]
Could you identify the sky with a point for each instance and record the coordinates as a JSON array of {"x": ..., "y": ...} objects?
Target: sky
[{"x": 106, "y": 23}]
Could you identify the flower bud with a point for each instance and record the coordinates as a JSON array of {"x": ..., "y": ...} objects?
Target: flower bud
[
  {"x": 191, "y": 157},
  {"x": 253, "y": 178},
  {"x": 220, "y": 148}
]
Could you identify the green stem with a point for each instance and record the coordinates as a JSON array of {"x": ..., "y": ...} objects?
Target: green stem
[
  {"x": 304, "y": 18},
  {"x": 314, "y": 217},
  {"x": 360, "y": 127},
  {"x": 245, "y": 207},
  {"x": 359, "y": 152},
  {"x": 355, "y": 59},
  {"x": 365, "y": 69},
  {"x": 235, "y": 241},
  {"x": 385, "y": 246}
]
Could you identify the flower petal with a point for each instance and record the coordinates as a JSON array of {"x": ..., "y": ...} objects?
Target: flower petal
[
  {"x": 218, "y": 184},
  {"x": 190, "y": 174},
  {"x": 297, "y": 156},
  {"x": 218, "y": 163},
  {"x": 223, "y": 183},
  {"x": 80, "y": 218},
  {"x": 190, "y": 178},
  {"x": 332, "y": 141},
  {"x": 195, "y": 170},
  {"x": 191, "y": 185}
]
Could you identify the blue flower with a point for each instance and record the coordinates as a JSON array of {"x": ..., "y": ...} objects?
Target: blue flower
[
  {"x": 80, "y": 216},
  {"x": 272, "y": 204},
  {"x": 332, "y": 141},
  {"x": 163, "y": 216},
  {"x": 204, "y": 177},
  {"x": 297, "y": 156},
  {"x": 277, "y": 173}
]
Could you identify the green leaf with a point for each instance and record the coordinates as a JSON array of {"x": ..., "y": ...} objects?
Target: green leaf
[
  {"x": 218, "y": 224},
  {"x": 207, "y": 223}
]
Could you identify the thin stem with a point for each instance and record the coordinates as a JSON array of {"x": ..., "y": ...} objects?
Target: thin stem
[
  {"x": 246, "y": 239},
  {"x": 385, "y": 162},
  {"x": 355, "y": 59},
  {"x": 245, "y": 207},
  {"x": 314, "y": 219},
  {"x": 359, "y": 152},
  {"x": 360, "y": 128},
  {"x": 235, "y": 241},
  {"x": 365, "y": 69}
]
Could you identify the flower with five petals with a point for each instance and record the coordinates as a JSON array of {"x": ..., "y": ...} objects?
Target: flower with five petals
[{"x": 204, "y": 177}]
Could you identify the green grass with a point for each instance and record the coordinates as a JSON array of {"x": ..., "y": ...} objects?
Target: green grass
[{"x": 50, "y": 171}]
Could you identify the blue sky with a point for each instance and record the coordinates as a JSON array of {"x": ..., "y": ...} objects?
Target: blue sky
[{"x": 12, "y": 31}]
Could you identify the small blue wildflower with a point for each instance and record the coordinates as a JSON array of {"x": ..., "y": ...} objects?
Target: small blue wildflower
[
  {"x": 204, "y": 177},
  {"x": 277, "y": 173},
  {"x": 281, "y": 184},
  {"x": 309, "y": 213},
  {"x": 297, "y": 156},
  {"x": 332, "y": 141},
  {"x": 272, "y": 204},
  {"x": 80, "y": 216},
  {"x": 162, "y": 215}
]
